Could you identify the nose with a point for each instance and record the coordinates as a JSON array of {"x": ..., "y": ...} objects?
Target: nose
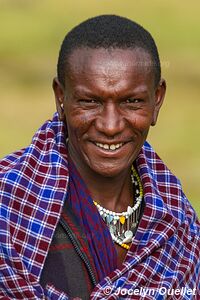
[{"x": 110, "y": 122}]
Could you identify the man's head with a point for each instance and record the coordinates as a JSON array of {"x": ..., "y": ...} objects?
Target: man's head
[
  {"x": 109, "y": 93},
  {"x": 108, "y": 32}
]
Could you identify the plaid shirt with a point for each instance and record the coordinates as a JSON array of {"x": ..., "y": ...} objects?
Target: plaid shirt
[{"x": 164, "y": 254}]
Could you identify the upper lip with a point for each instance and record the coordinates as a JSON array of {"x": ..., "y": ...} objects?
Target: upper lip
[{"x": 110, "y": 142}]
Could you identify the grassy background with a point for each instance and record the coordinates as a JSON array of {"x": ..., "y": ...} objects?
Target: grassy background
[{"x": 31, "y": 34}]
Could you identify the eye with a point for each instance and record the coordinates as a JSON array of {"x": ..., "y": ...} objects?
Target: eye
[
  {"x": 133, "y": 100},
  {"x": 132, "y": 103},
  {"x": 87, "y": 101}
]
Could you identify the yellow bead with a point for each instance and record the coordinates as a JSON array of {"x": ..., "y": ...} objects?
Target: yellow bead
[
  {"x": 122, "y": 220},
  {"x": 125, "y": 246}
]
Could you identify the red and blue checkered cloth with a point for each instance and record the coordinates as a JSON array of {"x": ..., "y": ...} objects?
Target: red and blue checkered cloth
[
  {"x": 33, "y": 184},
  {"x": 99, "y": 240}
]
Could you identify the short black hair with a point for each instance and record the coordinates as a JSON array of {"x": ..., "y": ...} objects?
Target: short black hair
[{"x": 108, "y": 31}]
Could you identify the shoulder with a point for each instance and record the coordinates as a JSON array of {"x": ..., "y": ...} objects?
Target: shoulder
[
  {"x": 9, "y": 161},
  {"x": 165, "y": 186}
]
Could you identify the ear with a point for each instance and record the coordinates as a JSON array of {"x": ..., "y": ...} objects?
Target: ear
[
  {"x": 159, "y": 98},
  {"x": 59, "y": 98}
]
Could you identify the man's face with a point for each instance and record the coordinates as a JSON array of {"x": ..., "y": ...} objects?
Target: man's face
[{"x": 110, "y": 101}]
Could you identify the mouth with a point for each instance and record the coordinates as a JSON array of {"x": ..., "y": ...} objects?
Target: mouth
[{"x": 110, "y": 147}]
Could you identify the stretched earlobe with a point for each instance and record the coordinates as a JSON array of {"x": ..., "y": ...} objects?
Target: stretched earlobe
[
  {"x": 60, "y": 109},
  {"x": 59, "y": 98},
  {"x": 155, "y": 115},
  {"x": 159, "y": 98}
]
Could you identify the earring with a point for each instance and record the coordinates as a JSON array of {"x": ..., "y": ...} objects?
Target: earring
[
  {"x": 61, "y": 103},
  {"x": 61, "y": 109}
]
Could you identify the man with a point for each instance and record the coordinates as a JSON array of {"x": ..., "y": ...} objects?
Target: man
[{"x": 88, "y": 210}]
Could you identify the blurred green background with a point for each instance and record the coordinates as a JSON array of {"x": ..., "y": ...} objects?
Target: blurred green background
[{"x": 31, "y": 34}]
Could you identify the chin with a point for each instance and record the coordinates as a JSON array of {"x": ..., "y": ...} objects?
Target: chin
[{"x": 108, "y": 169}]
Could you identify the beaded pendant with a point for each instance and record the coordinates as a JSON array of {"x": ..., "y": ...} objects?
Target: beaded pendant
[{"x": 122, "y": 225}]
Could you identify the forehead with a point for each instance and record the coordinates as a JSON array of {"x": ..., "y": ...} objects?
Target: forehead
[{"x": 110, "y": 65}]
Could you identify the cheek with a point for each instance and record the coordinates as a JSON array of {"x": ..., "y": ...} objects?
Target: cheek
[
  {"x": 79, "y": 122},
  {"x": 142, "y": 121}
]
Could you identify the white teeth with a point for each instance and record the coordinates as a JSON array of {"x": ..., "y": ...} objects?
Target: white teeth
[
  {"x": 113, "y": 147},
  {"x": 109, "y": 147},
  {"x": 105, "y": 146}
]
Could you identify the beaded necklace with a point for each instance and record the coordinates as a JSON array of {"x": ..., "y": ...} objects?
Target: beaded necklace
[{"x": 123, "y": 225}]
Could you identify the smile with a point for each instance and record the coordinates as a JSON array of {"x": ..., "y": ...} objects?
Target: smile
[{"x": 111, "y": 147}]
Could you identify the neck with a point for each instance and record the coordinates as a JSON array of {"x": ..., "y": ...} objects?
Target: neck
[
  {"x": 113, "y": 193},
  {"x": 116, "y": 194}
]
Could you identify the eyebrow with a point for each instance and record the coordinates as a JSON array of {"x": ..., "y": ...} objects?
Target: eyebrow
[
  {"x": 88, "y": 93},
  {"x": 85, "y": 93}
]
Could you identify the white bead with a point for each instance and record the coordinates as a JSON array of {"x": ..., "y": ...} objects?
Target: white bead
[
  {"x": 126, "y": 240},
  {"x": 129, "y": 210},
  {"x": 114, "y": 221}
]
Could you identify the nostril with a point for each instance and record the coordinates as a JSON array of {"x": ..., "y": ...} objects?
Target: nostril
[{"x": 110, "y": 124}]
